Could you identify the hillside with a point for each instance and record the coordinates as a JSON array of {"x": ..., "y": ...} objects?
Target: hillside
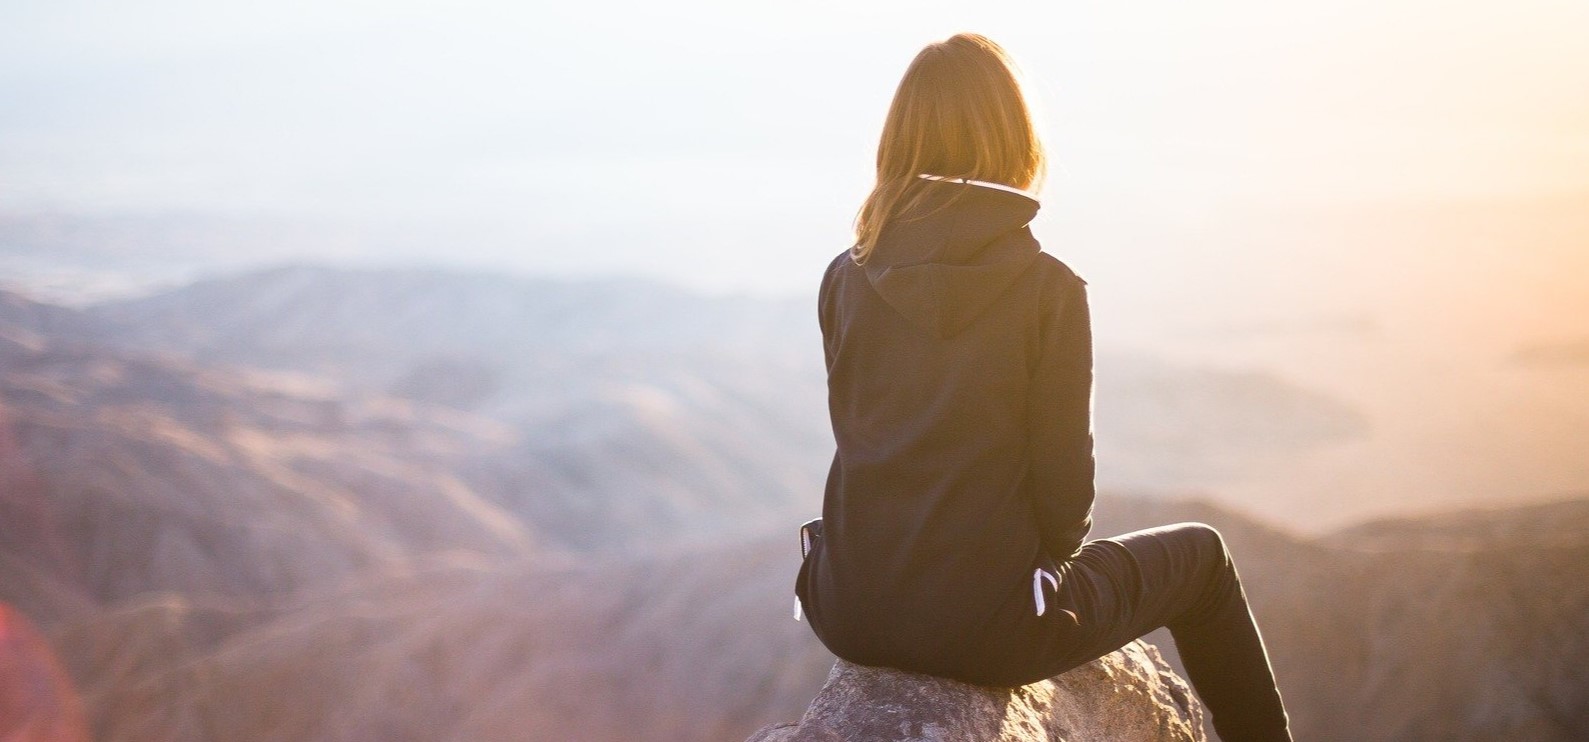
[
  {"x": 1459, "y": 628},
  {"x": 128, "y": 474},
  {"x": 668, "y": 454},
  {"x": 717, "y": 399},
  {"x": 698, "y": 644},
  {"x": 218, "y": 550}
]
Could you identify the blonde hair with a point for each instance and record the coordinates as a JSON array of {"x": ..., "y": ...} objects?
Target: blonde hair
[{"x": 959, "y": 112}]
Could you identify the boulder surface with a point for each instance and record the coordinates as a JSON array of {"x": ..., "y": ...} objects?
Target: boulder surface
[{"x": 1128, "y": 696}]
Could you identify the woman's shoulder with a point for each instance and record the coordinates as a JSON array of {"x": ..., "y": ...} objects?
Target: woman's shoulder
[
  {"x": 1054, "y": 271},
  {"x": 826, "y": 291},
  {"x": 838, "y": 262},
  {"x": 1056, "y": 283},
  {"x": 840, "y": 270}
]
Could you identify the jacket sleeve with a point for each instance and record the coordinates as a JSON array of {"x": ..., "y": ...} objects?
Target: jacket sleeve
[
  {"x": 825, "y": 311},
  {"x": 1061, "y": 434}
]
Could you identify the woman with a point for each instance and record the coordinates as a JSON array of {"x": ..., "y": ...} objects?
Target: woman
[{"x": 959, "y": 364}]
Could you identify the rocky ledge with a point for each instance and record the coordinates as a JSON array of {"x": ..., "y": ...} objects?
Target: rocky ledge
[{"x": 1129, "y": 696}]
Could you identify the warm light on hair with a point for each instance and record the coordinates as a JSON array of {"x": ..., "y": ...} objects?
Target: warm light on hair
[{"x": 960, "y": 112}]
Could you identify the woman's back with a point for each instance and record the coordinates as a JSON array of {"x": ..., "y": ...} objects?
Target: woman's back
[{"x": 954, "y": 354}]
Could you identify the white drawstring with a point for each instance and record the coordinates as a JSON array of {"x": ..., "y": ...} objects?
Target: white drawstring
[
  {"x": 805, "y": 551},
  {"x": 1038, "y": 575},
  {"x": 984, "y": 183}
]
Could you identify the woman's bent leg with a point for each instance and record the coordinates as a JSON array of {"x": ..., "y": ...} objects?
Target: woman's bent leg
[{"x": 1181, "y": 576}]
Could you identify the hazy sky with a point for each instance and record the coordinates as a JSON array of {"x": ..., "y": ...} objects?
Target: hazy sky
[{"x": 726, "y": 144}]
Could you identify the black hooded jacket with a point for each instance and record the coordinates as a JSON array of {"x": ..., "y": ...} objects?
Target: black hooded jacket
[{"x": 959, "y": 362}]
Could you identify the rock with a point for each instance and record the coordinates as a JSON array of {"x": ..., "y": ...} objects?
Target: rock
[{"x": 1126, "y": 696}]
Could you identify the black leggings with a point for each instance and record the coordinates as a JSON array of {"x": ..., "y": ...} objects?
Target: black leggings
[{"x": 1181, "y": 577}]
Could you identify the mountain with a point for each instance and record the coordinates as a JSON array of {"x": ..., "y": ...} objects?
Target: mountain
[
  {"x": 1561, "y": 522},
  {"x": 687, "y": 414},
  {"x": 609, "y": 450},
  {"x": 698, "y": 643},
  {"x": 691, "y": 645},
  {"x": 125, "y": 474},
  {"x": 719, "y": 401},
  {"x": 1466, "y": 626},
  {"x": 232, "y": 530}
]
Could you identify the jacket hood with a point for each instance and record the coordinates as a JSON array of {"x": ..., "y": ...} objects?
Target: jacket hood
[{"x": 943, "y": 270}]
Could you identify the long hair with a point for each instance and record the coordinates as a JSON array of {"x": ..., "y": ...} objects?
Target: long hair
[{"x": 959, "y": 112}]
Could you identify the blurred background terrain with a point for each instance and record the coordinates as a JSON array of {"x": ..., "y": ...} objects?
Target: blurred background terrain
[{"x": 405, "y": 373}]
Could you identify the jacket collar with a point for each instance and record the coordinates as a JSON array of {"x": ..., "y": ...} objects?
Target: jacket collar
[
  {"x": 942, "y": 268},
  {"x": 984, "y": 183}
]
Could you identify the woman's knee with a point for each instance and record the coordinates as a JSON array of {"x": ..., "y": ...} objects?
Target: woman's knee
[
  {"x": 1208, "y": 539},
  {"x": 1216, "y": 570}
]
